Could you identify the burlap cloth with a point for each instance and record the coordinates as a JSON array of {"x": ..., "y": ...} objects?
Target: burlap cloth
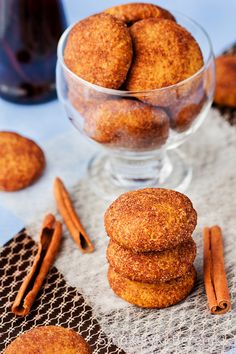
[{"x": 185, "y": 328}]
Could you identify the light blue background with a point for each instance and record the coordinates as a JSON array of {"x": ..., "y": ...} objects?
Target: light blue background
[{"x": 43, "y": 122}]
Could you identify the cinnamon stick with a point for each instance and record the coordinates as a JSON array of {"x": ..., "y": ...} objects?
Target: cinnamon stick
[
  {"x": 71, "y": 219},
  {"x": 214, "y": 272},
  {"x": 49, "y": 243}
]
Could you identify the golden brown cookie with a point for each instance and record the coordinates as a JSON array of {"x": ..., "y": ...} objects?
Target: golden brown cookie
[
  {"x": 150, "y": 219},
  {"x": 152, "y": 267},
  {"x": 86, "y": 100},
  {"x": 99, "y": 50},
  {"x": 133, "y": 12},
  {"x": 164, "y": 54},
  {"x": 225, "y": 94},
  {"x": 78, "y": 101},
  {"x": 82, "y": 95},
  {"x": 159, "y": 295},
  {"x": 49, "y": 340},
  {"x": 183, "y": 113},
  {"x": 21, "y": 161},
  {"x": 127, "y": 123},
  {"x": 183, "y": 116}
]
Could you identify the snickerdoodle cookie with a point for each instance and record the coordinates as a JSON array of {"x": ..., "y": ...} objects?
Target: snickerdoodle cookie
[
  {"x": 165, "y": 54},
  {"x": 99, "y": 50},
  {"x": 225, "y": 94},
  {"x": 49, "y": 340},
  {"x": 133, "y": 12},
  {"x": 159, "y": 295},
  {"x": 127, "y": 123},
  {"x": 21, "y": 161},
  {"x": 183, "y": 113},
  {"x": 152, "y": 267},
  {"x": 151, "y": 219}
]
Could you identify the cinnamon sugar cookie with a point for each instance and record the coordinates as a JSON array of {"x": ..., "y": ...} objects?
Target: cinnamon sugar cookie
[
  {"x": 99, "y": 50},
  {"x": 159, "y": 295},
  {"x": 164, "y": 54},
  {"x": 183, "y": 113},
  {"x": 127, "y": 123},
  {"x": 151, "y": 219},
  {"x": 225, "y": 94},
  {"x": 49, "y": 340},
  {"x": 21, "y": 161},
  {"x": 152, "y": 267},
  {"x": 133, "y": 12}
]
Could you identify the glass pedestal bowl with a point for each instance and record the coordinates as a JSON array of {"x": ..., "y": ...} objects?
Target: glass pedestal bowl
[{"x": 138, "y": 132}]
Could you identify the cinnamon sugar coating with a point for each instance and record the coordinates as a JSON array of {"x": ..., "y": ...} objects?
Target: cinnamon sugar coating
[
  {"x": 183, "y": 116},
  {"x": 99, "y": 50},
  {"x": 165, "y": 53},
  {"x": 152, "y": 267},
  {"x": 225, "y": 94},
  {"x": 183, "y": 113},
  {"x": 159, "y": 295},
  {"x": 151, "y": 219},
  {"x": 85, "y": 99},
  {"x": 133, "y": 12},
  {"x": 49, "y": 340},
  {"x": 21, "y": 161},
  {"x": 127, "y": 123}
]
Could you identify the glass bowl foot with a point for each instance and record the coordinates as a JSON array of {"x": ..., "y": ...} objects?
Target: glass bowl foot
[{"x": 111, "y": 175}]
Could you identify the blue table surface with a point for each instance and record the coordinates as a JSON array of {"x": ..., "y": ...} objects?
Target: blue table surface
[{"x": 46, "y": 121}]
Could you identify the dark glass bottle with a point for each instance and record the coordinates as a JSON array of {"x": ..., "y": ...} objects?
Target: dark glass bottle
[{"x": 29, "y": 33}]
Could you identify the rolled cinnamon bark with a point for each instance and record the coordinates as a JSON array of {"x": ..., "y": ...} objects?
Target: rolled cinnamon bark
[
  {"x": 214, "y": 272},
  {"x": 70, "y": 217},
  {"x": 49, "y": 243}
]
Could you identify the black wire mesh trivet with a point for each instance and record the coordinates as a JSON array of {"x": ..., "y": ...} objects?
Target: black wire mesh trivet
[{"x": 56, "y": 304}]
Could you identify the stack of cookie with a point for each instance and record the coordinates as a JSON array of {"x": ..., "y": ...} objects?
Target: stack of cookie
[{"x": 151, "y": 250}]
